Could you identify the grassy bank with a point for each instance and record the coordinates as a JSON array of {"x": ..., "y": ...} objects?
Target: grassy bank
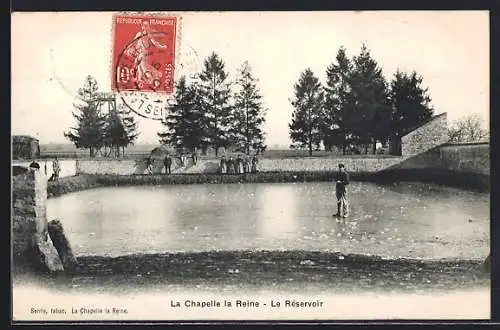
[
  {"x": 469, "y": 181},
  {"x": 88, "y": 181},
  {"x": 72, "y": 184}
]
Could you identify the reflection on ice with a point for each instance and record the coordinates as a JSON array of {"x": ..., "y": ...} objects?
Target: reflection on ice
[{"x": 277, "y": 216}]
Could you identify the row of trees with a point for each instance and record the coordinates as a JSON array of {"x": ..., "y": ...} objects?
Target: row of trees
[
  {"x": 211, "y": 111},
  {"x": 107, "y": 133},
  {"x": 357, "y": 107}
]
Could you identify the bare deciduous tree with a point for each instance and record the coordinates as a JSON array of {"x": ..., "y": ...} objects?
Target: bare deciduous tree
[{"x": 471, "y": 128}]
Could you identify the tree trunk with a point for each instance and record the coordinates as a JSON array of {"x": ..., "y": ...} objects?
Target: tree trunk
[
  {"x": 247, "y": 133},
  {"x": 216, "y": 137},
  {"x": 344, "y": 141}
]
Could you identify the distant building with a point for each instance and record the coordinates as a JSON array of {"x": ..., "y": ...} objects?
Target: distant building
[{"x": 25, "y": 147}]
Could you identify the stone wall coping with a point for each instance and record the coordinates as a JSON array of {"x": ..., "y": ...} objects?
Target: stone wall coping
[
  {"x": 356, "y": 157},
  {"x": 458, "y": 144}
]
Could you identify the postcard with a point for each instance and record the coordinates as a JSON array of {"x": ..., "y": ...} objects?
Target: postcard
[{"x": 273, "y": 166}]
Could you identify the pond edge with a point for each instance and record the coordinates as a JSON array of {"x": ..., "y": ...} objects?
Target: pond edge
[{"x": 80, "y": 182}]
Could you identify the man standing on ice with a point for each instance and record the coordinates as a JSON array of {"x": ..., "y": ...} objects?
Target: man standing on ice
[{"x": 342, "y": 180}]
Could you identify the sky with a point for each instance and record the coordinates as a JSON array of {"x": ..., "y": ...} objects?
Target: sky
[{"x": 53, "y": 52}]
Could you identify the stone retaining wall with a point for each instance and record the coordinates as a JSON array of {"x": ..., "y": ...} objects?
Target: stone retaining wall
[
  {"x": 463, "y": 158},
  {"x": 427, "y": 153},
  {"x": 30, "y": 237},
  {"x": 466, "y": 157},
  {"x": 29, "y": 193},
  {"x": 313, "y": 164},
  {"x": 463, "y": 165}
]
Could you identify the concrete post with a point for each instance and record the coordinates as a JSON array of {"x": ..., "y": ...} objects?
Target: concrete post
[{"x": 62, "y": 245}]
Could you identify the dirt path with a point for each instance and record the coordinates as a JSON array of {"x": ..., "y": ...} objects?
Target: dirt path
[{"x": 289, "y": 269}]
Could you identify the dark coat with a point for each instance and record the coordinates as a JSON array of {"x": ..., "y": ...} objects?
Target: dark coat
[{"x": 341, "y": 180}]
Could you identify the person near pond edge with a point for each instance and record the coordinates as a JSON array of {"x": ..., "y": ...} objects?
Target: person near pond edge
[
  {"x": 223, "y": 165},
  {"x": 56, "y": 168},
  {"x": 255, "y": 162},
  {"x": 230, "y": 165},
  {"x": 34, "y": 166},
  {"x": 246, "y": 164},
  {"x": 168, "y": 164},
  {"x": 149, "y": 165},
  {"x": 239, "y": 165},
  {"x": 341, "y": 181},
  {"x": 183, "y": 159}
]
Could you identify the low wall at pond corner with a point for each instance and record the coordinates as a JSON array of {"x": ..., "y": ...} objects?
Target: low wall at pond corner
[
  {"x": 312, "y": 164},
  {"x": 428, "y": 157},
  {"x": 466, "y": 157},
  {"x": 465, "y": 164},
  {"x": 457, "y": 157}
]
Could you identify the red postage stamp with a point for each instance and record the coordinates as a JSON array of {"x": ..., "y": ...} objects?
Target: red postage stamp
[{"x": 143, "y": 53}]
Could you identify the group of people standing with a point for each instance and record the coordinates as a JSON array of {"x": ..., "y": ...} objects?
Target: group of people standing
[
  {"x": 230, "y": 165},
  {"x": 168, "y": 160},
  {"x": 238, "y": 165}
]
